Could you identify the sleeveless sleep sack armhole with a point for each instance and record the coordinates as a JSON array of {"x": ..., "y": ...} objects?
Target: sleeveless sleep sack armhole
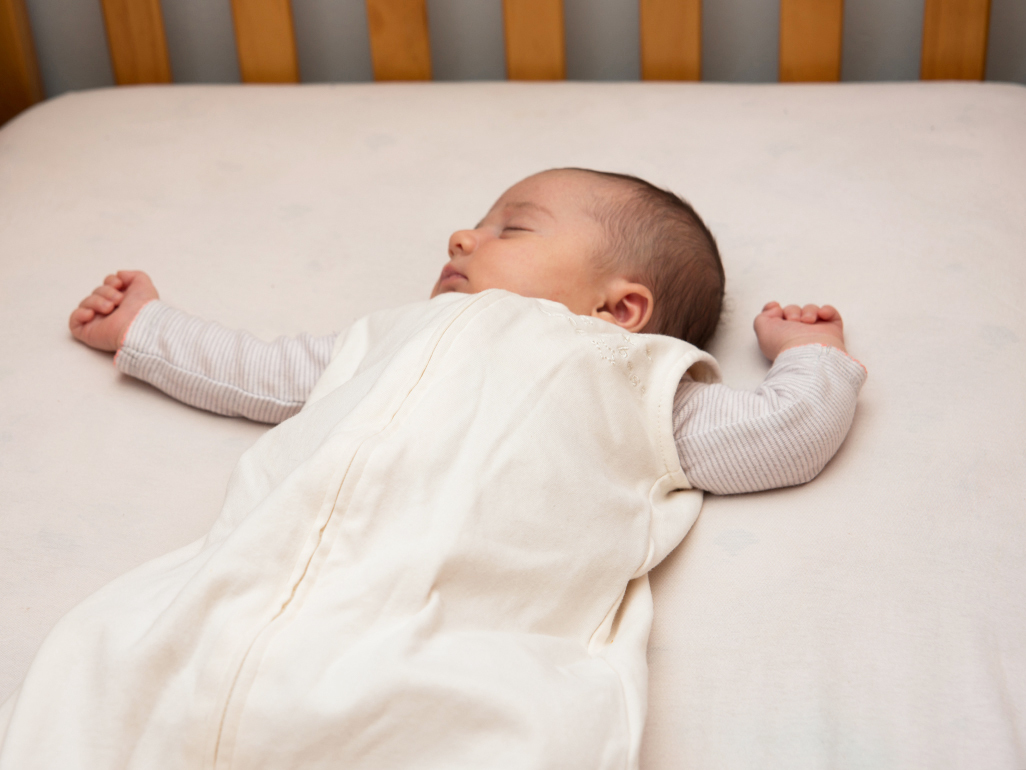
[
  {"x": 669, "y": 523},
  {"x": 703, "y": 368}
]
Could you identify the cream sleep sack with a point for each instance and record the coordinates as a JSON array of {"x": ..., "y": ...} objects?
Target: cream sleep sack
[{"x": 440, "y": 562}]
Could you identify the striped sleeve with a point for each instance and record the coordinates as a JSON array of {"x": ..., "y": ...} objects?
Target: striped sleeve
[
  {"x": 782, "y": 434},
  {"x": 228, "y": 372}
]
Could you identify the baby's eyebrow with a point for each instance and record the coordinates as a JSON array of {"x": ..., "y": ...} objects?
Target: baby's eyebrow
[
  {"x": 517, "y": 205},
  {"x": 530, "y": 205}
]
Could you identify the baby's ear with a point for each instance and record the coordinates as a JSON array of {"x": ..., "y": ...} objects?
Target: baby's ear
[{"x": 627, "y": 304}]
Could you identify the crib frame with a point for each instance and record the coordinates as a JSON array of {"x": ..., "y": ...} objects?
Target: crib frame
[{"x": 954, "y": 42}]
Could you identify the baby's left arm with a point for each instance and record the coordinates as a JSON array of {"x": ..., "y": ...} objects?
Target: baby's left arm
[{"x": 783, "y": 433}]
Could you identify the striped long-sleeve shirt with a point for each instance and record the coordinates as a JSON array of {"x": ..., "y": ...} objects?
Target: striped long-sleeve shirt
[{"x": 729, "y": 441}]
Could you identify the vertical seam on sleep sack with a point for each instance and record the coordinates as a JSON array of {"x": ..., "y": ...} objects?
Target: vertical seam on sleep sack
[
  {"x": 284, "y": 605},
  {"x": 313, "y": 551}
]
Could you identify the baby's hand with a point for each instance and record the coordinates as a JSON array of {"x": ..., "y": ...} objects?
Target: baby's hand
[
  {"x": 102, "y": 319},
  {"x": 781, "y": 328}
]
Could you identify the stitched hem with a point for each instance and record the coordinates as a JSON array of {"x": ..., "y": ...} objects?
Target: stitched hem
[
  {"x": 844, "y": 353},
  {"x": 124, "y": 336}
]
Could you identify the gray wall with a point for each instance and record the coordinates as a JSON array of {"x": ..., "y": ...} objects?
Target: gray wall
[{"x": 882, "y": 40}]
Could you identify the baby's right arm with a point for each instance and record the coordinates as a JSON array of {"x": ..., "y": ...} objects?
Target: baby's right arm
[{"x": 199, "y": 362}]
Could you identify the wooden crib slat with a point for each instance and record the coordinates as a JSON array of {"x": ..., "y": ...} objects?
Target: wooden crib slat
[
  {"x": 400, "y": 45},
  {"x": 671, "y": 39},
  {"x": 810, "y": 40},
  {"x": 535, "y": 39},
  {"x": 138, "y": 46},
  {"x": 265, "y": 41},
  {"x": 955, "y": 39},
  {"x": 20, "y": 83}
]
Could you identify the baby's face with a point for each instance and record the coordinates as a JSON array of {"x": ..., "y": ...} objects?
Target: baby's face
[{"x": 538, "y": 240}]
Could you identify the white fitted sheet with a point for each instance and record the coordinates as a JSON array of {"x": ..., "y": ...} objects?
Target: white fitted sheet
[{"x": 872, "y": 618}]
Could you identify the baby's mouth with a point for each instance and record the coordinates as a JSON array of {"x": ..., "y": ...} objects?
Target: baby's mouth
[{"x": 450, "y": 275}]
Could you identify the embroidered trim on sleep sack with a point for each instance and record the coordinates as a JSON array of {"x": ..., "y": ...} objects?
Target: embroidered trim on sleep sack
[{"x": 618, "y": 356}]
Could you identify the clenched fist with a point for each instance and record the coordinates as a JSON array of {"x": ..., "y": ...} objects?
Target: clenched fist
[
  {"x": 781, "y": 328},
  {"x": 102, "y": 319}
]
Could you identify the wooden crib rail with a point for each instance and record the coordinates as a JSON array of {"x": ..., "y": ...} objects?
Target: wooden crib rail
[
  {"x": 20, "y": 83},
  {"x": 400, "y": 48},
  {"x": 138, "y": 45},
  {"x": 810, "y": 40},
  {"x": 535, "y": 39},
  {"x": 955, "y": 39},
  {"x": 671, "y": 39},
  {"x": 954, "y": 42},
  {"x": 266, "y": 41}
]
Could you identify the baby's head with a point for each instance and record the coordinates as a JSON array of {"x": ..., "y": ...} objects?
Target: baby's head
[{"x": 606, "y": 245}]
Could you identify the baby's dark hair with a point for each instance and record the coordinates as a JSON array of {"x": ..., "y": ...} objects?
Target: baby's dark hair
[{"x": 658, "y": 240}]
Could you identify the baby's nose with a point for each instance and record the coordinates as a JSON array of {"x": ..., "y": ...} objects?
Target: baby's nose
[{"x": 462, "y": 242}]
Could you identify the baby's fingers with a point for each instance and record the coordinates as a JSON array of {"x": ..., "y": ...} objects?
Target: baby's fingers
[
  {"x": 98, "y": 304},
  {"x": 810, "y": 314},
  {"x": 829, "y": 313},
  {"x": 115, "y": 281},
  {"x": 80, "y": 316},
  {"x": 109, "y": 292}
]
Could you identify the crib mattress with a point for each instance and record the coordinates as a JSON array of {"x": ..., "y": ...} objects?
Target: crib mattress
[{"x": 872, "y": 618}]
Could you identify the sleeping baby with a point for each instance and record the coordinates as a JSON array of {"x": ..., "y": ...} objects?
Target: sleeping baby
[{"x": 439, "y": 558}]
